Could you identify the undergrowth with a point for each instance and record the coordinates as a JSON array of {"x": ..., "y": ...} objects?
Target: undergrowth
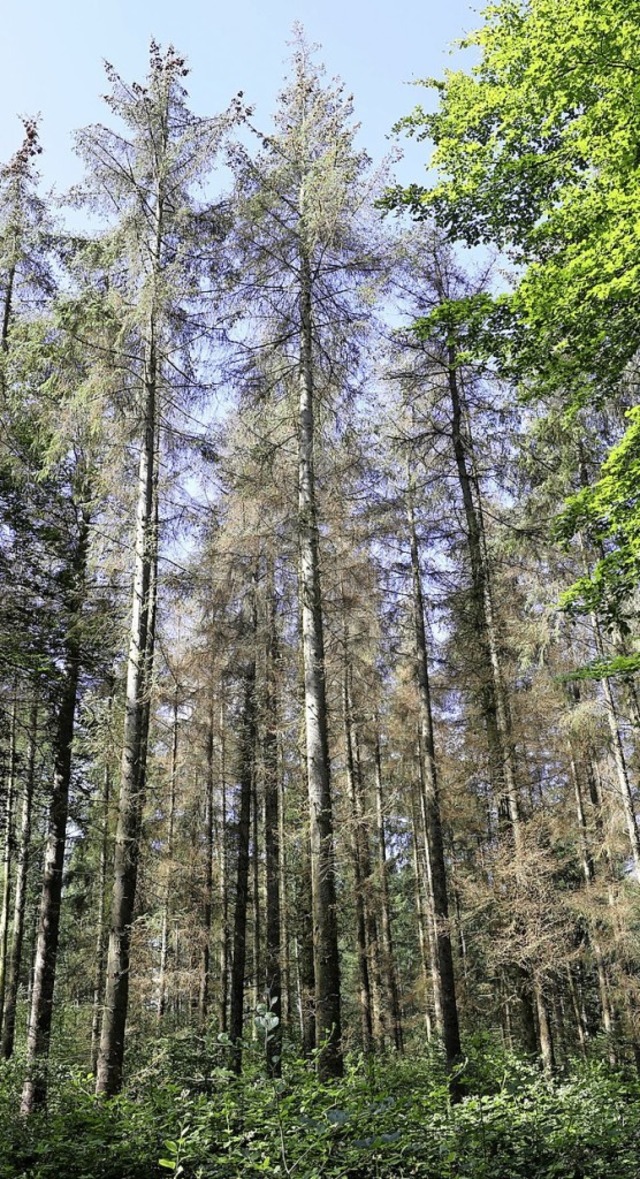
[{"x": 184, "y": 1113}]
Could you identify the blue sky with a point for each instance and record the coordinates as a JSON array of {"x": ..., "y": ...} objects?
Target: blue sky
[{"x": 52, "y": 55}]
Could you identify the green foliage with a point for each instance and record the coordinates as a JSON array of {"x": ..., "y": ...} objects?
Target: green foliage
[
  {"x": 609, "y": 512},
  {"x": 388, "y": 1118},
  {"x": 538, "y": 152}
]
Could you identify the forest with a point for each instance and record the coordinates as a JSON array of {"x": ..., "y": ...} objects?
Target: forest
[{"x": 320, "y": 555}]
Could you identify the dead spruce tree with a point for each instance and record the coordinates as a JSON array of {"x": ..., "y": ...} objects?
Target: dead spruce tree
[
  {"x": 160, "y": 244},
  {"x": 303, "y": 254}
]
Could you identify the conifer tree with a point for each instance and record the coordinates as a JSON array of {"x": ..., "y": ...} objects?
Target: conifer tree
[
  {"x": 158, "y": 245},
  {"x": 303, "y": 257}
]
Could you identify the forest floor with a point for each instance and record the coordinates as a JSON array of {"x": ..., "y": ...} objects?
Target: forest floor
[{"x": 183, "y": 1113}]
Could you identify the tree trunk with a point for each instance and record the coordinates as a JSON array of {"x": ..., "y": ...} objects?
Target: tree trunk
[
  {"x": 101, "y": 935},
  {"x": 19, "y": 905},
  {"x": 426, "y": 932},
  {"x": 272, "y": 835},
  {"x": 166, "y": 900},
  {"x": 285, "y": 956},
  {"x": 207, "y": 900},
  {"x": 494, "y": 702},
  {"x": 256, "y": 899},
  {"x": 389, "y": 972},
  {"x": 366, "y": 1004},
  {"x": 39, "y": 1035},
  {"x": 622, "y": 773},
  {"x": 305, "y": 960},
  {"x": 5, "y": 897},
  {"x": 323, "y": 885},
  {"x": 444, "y": 979},
  {"x": 246, "y": 775},
  {"x": 589, "y": 873},
  {"x": 134, "y": 749},
  {"x": 544, "y": 1027},
  {"x": 224, "y": 877}
]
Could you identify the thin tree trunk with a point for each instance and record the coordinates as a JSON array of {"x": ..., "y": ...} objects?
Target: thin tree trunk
[
  {"x": 388, "y": 960},
  {"x": 207, "y": 903},
  {"x": 134, "y": 749},
  {"x": 578, "y": 1013},
  {"x": 366, "y": 1005},
  {"x": 444, "y": 978},
  {"x": 224, "y": 877},
  {"x": 544, "y": 1027},
  {"x": 285, "y": 957},
  {"x": 6, "y": 321},
  {"x": 272, "y": 836},
  {"x": 19, "y": 906},
  {"x": 7, "y": 856},
  {"x": 323, "y": 885},
  {"x": 495, "y": 705},
  {"x": 35, "y": 1086},
  {"x": 426, "y": 933},
  {"x": 622, "y": 773},
  {"x": 256, "y": 899},
  {"x": 101, "y": 935},
  {"x": 589, "y": 873},
  {"x": 166, "y": 900},
  {"x": 306, "y": 976},
  {"x": 246, "y": 775}
]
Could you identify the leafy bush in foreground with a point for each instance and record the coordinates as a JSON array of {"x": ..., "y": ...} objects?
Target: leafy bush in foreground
[{"x": 185, "y": 1114}]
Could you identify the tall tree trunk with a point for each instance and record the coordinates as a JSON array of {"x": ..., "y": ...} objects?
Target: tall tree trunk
[
  {"x": 620, "y": 761},
  {"x": 6, "y": 321},
  {"x": 101, "y": 934},
  {"x": 305, "y": 959},
  {"x": 19, "y": 904},
  {"x": 134, "y": 748},
  {"x": 8, "y": 849},
  {"x": 444, "y": 977},
  {"x": 224, "y": 875},
  {"x": 589, "y": 873},
  {"x": 166, "y": 900},
  {"x": 285, "y": 955},
  {"x": 366, "y": 1004},
  {"x": 494, "y": 701},
  {"x": 207, "y": 899},
  {"x": 389, "y": 972},
  {"x": 323, "y": 884},
  {"x": 256, "y": 898},
  {"x": 272, "y": 835},
  {"x": 35, "y": 1086},
  {"x": 426, "y": 931},
  {"x": 246, "y": 775},
  {"x": 495, "y": 704}
]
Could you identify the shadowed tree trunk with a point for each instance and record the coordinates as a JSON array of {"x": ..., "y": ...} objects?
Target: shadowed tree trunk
[
  {"x": 272, "y": 835},
  {"x": 223, "y": 875},
  {"x": 442, "y": 963},
  {"x": 7, "y": 855},
  {"x": 101, "y": 935},
  {"x": 389, "y": 972},
  {"x": 494, "y": 701},
  {"x": 207, "y": 901},
  {"x": 44, "y": 973},
  {"x": 19, "y": 906},
  {"x": 247, "y": 751},
  {"x": 305, "y": 958},
  {"x": 171, "y": 822},
  {"x": 134, "y": 751},
  {"x": 366, "y": 1004}
]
